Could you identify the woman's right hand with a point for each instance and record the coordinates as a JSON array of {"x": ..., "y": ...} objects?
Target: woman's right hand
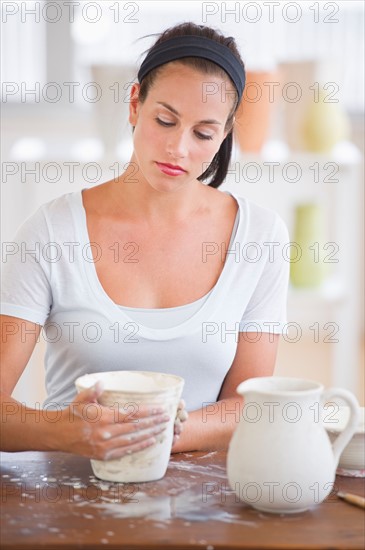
[{"x": 105, "y": 433}]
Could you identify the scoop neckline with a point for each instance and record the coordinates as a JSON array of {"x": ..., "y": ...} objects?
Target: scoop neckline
[
  {"x": 192, "y": 323},
  {"x": 173, "y": 308}
]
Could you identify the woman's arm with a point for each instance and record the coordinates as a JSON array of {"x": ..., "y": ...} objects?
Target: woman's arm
[
  {"x": 20, "y": 425},
  {"x": 211, "y": 427},
  {"x": 69, "y": 430}
]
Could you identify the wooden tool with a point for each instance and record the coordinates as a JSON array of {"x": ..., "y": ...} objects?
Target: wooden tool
[{"x": 352, "y": 499}]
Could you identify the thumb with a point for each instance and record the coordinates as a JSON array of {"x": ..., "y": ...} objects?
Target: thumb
[{"x": 90, "y": 394}]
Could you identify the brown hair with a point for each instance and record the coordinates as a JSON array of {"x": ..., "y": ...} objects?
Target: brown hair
[{"x": 217, "y": 170}]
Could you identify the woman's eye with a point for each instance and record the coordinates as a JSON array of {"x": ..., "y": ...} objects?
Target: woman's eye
[
  {"x": 163, "y": 122},
  {"x": 198, "y": 134},
  {"x": 203, "y": 136}
]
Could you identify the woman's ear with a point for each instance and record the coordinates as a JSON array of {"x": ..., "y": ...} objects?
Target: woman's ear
[{"x": 134, "y": 104}]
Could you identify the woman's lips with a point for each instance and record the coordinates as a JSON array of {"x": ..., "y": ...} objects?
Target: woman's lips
[{"x": 169, "y": 170}]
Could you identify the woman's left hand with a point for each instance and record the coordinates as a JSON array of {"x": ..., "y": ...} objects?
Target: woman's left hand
[{"x": 181, "y": 417}]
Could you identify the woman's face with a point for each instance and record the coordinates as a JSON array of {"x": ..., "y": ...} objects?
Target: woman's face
[{"x": 181, "y": 123}]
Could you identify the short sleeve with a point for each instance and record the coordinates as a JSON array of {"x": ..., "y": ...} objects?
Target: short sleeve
[
  {"x": 267, "y": 307},
  {"x": 26, "y": 272}
]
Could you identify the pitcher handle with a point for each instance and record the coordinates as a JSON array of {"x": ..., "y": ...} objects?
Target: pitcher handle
[{"x": 344, "y": 437}]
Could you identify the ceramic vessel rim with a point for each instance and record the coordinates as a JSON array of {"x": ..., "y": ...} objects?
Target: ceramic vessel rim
[
  {"x": 317, "y": 386},
  {"x": 179, "y": 381}
]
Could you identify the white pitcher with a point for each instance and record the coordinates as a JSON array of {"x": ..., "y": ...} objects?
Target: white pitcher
[{"x": 280, "y": 458}]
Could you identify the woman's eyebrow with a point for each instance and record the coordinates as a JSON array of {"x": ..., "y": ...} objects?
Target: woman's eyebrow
[{"x": 209, "y": 121}]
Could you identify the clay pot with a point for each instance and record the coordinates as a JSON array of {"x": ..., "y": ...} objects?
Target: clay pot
[
  {"x": 123, "y": 389},
  {"x": 255, "y": 111}
]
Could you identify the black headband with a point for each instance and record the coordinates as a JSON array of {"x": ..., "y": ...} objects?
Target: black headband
[{"x": 195, "y": 46}]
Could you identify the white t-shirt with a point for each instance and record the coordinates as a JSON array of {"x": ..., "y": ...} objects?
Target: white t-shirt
[{"x": 49, "y": 278}]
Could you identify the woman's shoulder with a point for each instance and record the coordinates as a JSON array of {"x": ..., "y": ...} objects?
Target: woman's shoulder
[
  {"x": 49, "y": 214},
  {"x": 261, "y": 219},
  {"x": 61, "y": 203},
  {"x": 220, "y": 202}
]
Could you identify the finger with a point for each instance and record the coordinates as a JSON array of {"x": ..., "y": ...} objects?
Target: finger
[
  {"x": 177, "y": 428},
  {"x": 131, "y": 431},
  {"x": 90, "y": 394},
  {"x": 181, "y": 405},
  {"x": 182, "y": 415},
  {"x": 84, "y": 398},
  {"x": 141, "y": 424},
  {"x": 118, "y": 439},
  {"x": 132, "y": 412}
]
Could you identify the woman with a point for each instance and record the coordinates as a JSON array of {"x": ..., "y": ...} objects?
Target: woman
[{"x": 152, "y": 271}]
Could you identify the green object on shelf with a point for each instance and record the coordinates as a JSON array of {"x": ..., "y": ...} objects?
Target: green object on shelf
[
  {"x": 325, "y": 124},
  {"x": 307, "y": 267}
]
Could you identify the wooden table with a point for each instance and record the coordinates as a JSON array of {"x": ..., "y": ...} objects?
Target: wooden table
[{"x": 53, "y": 501}]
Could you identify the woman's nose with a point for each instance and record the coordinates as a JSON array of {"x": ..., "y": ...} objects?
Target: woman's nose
[{"x": 177, "y": 145}]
